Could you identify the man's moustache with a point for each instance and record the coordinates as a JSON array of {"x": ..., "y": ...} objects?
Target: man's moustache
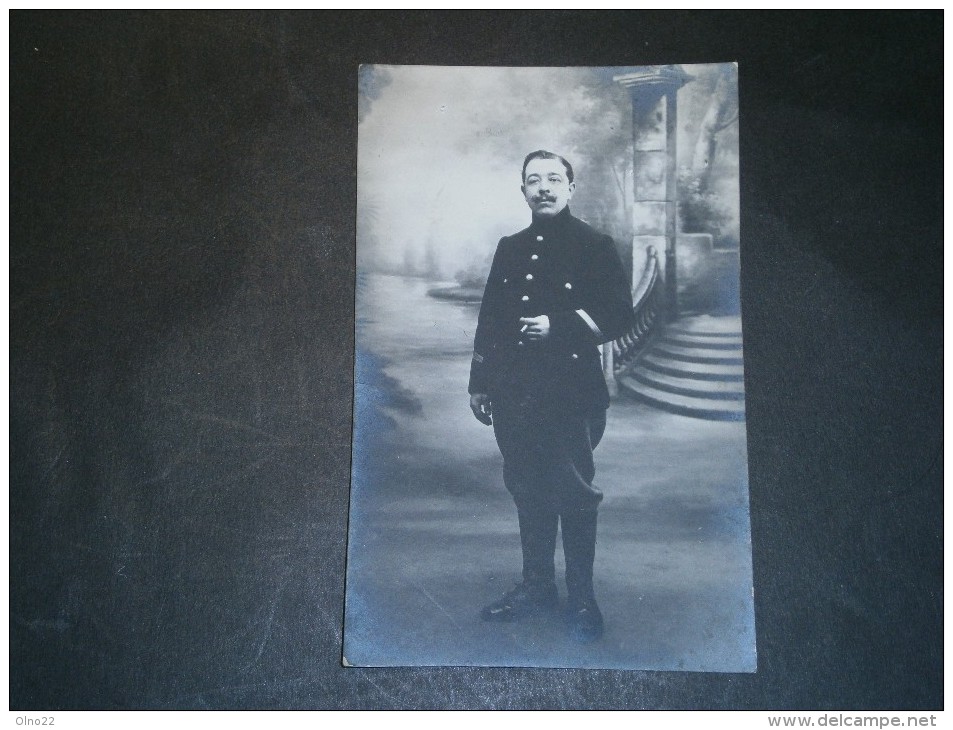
[{"x": 545, "y": 199}]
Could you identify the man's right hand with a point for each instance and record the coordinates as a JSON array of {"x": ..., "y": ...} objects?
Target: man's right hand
[{"x": 482, "y": 408}]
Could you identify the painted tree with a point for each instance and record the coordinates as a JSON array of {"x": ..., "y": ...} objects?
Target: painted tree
[
  {"x": 708, "y": 175},
  {"x": 721, "y": 113}
]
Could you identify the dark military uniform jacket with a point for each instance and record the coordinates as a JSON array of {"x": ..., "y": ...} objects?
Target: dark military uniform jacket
[{"x": 563, "y": 268}]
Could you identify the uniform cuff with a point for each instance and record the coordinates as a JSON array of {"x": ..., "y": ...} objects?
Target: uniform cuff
[
  {"x": 478, "y": 376},
  {"x": 590, "y": 323},
  {"x": 569, "y": 327}
]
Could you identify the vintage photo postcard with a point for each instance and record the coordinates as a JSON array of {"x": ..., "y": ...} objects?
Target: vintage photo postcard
[{"x": 549, "y": 461}]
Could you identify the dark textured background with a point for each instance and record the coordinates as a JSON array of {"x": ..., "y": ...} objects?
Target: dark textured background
[{"x": 181, "y": 269}]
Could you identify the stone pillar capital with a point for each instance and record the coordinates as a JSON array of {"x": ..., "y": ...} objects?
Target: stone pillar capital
[
  {"x": 648, "y": 84},
  {"x": 663, "y": 78}
]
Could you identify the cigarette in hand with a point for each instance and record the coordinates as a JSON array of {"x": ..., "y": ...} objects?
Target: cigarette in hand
[{"x": 524, "y": 328}]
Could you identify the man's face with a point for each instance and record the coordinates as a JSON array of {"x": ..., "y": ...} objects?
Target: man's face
[{"x": 546, "y": 187}]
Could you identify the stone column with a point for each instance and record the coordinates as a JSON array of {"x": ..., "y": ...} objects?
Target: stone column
[{"x": 654, "y": 92}]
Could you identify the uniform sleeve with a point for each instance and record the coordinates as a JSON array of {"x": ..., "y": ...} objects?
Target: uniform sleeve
[
  {"x": 604, "y": 301},
  {"x": 487, "y": 326}
]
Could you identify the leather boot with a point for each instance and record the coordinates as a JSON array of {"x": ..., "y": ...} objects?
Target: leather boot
[
  {"x": 538, "y": 540},
  {"x": 524, "y": 600},
  {"x": 579, "y": 546},
  {"x": 537, "y": 592}
]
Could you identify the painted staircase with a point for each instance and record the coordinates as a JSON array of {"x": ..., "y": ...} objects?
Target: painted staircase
[{"x": 693, "y": 367}]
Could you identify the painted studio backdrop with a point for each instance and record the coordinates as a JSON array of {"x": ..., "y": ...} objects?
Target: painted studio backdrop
[{"x": 433, "y": 533}]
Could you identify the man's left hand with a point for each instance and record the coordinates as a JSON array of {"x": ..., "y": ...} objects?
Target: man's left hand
[{"x": 535, "y": 328}]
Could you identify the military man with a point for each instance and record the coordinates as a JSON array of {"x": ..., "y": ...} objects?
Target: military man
[{"x": 555, "y": 292}]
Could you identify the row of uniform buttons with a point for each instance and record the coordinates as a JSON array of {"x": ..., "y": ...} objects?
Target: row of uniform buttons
[
  {"x": 529, "y": 277},
  {"x": 525, "y": 297}
]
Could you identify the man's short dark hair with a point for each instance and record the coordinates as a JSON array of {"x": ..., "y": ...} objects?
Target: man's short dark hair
[{"x": 547, "y": 155}]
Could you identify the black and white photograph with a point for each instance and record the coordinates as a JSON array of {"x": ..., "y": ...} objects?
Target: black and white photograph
[
  {"x": 479, "y": 360},
  {"x": 549, "y": 460}
]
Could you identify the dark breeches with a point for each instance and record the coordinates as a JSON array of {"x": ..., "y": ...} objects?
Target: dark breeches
[
  {"x": 547, "y": 459},
  {"x": 548, "y": 468}
]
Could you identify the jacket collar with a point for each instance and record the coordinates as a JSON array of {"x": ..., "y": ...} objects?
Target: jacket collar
[{"x": 551, "y": 225}]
